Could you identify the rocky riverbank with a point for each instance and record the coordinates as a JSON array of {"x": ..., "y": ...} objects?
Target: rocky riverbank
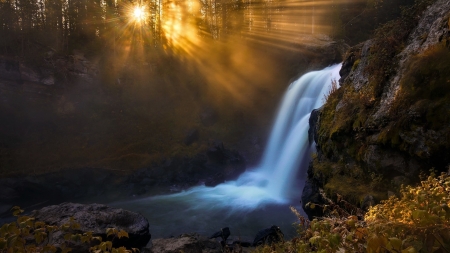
[{"x": 82, "y": 226}]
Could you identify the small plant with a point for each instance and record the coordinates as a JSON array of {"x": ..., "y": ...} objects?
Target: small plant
[{"x": 334, "y": 87}]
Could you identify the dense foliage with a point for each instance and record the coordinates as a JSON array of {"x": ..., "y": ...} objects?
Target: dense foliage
[
  {"x": 26, "y": 235},
  {"x": 418, "y": 221}
]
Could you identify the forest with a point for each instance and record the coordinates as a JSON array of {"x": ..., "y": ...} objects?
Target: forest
[{"x": 63, "y": 26}]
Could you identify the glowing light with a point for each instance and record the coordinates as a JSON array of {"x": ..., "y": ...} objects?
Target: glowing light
[{"x": 139, "y": 13}]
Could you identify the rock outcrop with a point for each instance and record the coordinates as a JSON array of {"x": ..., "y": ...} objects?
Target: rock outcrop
[
  {"x": 45, "y": 81},
  {"x": 185, "y": 243},
  {"x": 95, "y": 218},
  {"x": 390, "y": 118},
  {"x": 210, "y": 167}
]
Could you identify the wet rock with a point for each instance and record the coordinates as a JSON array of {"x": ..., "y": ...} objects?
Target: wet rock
[
  {"x": 96, "y": 218},
  {"x": 312, "y": 194},
  {"x": 268, "y": 236},
  {"x": 313, "y": 126},
  {"x": 211, "y": 167},
  {"x": 224, "y": 233},
  {"x": 216, "y": 153},
  {"x": 186, "y": 244}
]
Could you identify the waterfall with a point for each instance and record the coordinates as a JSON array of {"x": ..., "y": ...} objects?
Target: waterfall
[
  {"x": 288, "y": 142},
  {"x": 273, "y": 182}
]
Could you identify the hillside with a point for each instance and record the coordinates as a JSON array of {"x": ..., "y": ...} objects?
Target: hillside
[{"x": 389, "y": 121}]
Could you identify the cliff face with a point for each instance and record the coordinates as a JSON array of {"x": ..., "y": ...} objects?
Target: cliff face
[{"x": 390, "y": 120}]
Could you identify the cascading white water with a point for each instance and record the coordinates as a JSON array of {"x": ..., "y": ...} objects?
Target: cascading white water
[
  {"x": 272, "y": 182},
  {"x": 288, "y": 141}
]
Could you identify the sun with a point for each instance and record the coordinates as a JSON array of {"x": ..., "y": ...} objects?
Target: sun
[{"x": 139, "y": 13}]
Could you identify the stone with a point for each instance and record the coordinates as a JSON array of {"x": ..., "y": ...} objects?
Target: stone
[
  {"x": 367, "y": 202},
  {"x": 312, "y": 194},
  {"x": 268, "y": 236},
  {"x": 400, "y": 180},
  {"x": 185, "y": 243},
  {"x": 96, "y": 218},
  {"x": 224, "y": 233},
  {"x": 313, "y": 126}
]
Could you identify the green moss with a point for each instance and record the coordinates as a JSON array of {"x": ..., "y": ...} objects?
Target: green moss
[
  {"x": 388, "y": 42},
  {"x": 323, "y": 170},
  {"x": 355, "y": 64},
  {"x": 352, "y": 189},
  {"x": 423, "y": 98}
]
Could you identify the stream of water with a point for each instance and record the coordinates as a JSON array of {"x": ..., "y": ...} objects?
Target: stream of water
[{"x": 261, "y": 196}]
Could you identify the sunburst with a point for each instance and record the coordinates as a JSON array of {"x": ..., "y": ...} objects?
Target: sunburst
[{"x": 139, "y": 13}]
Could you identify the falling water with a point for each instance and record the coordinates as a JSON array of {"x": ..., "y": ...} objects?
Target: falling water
[{"x": 272, "y": 183}]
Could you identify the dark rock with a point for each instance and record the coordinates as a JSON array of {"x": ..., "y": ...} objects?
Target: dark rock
[
  {"x": 211, "y": 167},
  {"x": 216, "y": 153},
  {"x": 313, "y": 126},
  {"x": 186, "y": 244},
  {"x": 312, "y": 194},
  {"x": 350, "y": 58},
  {"x": 96, "y": 218},
  {"x": 224, "y": 233},
  {"x": 191, "y": 137},
  {"x": 400, "y": 180},
  {"x": 391, "y": 194},
  {"x": 174, "y": 174},
  {"x": 367, "y": 202},
  {"x": 268, "y": 236}
]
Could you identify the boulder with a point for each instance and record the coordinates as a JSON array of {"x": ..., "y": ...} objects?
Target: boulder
[
  {"x": 367, "y": 202},
  {"x": 313, "y": 194},
  {"x": 224, "y": 233},
  {"x": 185, "y": 243},
  {"x": 96, "y": 218},
  {"x": 268, "y": 236}
]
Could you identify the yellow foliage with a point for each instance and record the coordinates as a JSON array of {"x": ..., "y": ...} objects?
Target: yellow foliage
[
  {"x": 417, "y": 222},
  {"x": 29, "y": 236}
]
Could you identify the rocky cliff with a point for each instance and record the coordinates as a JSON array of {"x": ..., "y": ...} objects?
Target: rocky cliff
[{"x": 390, "y": 119}]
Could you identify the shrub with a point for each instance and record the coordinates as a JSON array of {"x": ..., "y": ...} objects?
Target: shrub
[
  {"x": 26, "y": 235},
  {"x": 418, "y": 221}
]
